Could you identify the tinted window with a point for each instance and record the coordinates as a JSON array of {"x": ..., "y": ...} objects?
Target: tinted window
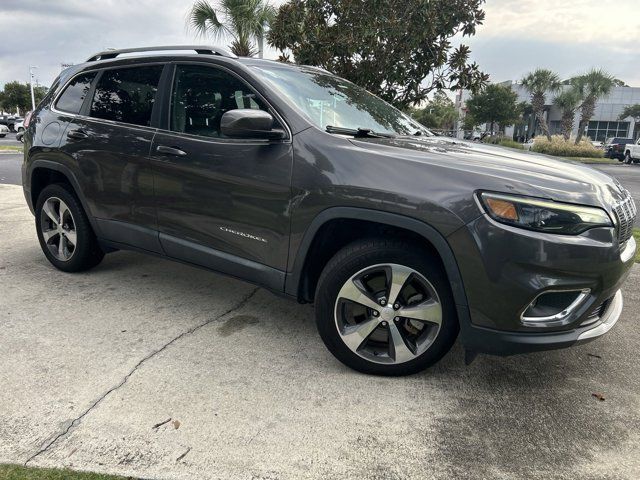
[
  {"x": 73, "y": 96},
  {"x": 201, "y": 95},
  {"x": 126, "y": 94}
]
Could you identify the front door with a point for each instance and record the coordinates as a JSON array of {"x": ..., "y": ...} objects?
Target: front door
[{"x": 223, "y": 203}]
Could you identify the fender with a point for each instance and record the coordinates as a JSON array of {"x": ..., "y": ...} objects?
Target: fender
[
  {"x": 66, "y": 171},
  {"x": 293, "y": 278}
]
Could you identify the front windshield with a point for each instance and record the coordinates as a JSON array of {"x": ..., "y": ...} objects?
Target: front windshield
[{"x": 328, "y": 100}]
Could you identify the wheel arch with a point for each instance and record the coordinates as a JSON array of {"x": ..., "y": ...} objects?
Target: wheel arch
[
  {"x": 45, "y": 172},
  {"x": 301, "y": 279}
]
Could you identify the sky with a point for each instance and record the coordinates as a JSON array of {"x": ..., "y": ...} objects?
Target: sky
[{"x": 568, "y": 36}]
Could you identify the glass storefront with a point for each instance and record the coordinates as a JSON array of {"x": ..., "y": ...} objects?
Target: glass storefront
[{"x": 600, "y": 131}]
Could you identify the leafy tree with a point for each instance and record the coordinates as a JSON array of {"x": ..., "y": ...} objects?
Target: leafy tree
[
  {"x": 243, "y": 20},
  {"x": 538, "y": 83},
  {"x": 591, "y": 86},
  {"x": 439, "y": 113},
  {"x": 18, "y": 95},
  {"x": 568, "y": 101},
  {"x": 398, "y": 49},
  {"x": 632, "y": 111},
  {"x": 494, "y": 104}
]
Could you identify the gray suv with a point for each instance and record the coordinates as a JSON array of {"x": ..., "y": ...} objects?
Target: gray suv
[{"x": 301, "y": 182}]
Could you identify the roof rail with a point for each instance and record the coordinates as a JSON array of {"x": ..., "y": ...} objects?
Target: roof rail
[{"x": 200, "y": 49}]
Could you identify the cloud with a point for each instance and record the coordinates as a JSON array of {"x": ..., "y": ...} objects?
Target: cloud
[
  {"x": 518, "y": 35},
  {"x": 611, "y": 22}
]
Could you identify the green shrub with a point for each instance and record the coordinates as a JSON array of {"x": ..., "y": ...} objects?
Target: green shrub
[{"x": 560, "y": 147}]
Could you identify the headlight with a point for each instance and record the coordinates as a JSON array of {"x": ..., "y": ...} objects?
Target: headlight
[{"x": 543, "y": 215}]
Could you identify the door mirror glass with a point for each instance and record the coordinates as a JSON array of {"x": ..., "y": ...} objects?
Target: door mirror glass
[{"x": 249, "y": 123}]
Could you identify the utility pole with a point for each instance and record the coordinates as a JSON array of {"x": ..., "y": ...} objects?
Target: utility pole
[{"x": 31, "y": 76}]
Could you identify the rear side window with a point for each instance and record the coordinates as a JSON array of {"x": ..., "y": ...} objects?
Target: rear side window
[
  {"x": 126, "y": 94},
  {"x": 71, "y": 99}
]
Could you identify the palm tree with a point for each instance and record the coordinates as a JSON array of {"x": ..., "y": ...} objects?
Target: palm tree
[
  {"x": 538, "y": 83},
  {"x": 568, "y": 101},
  {"x": 242, "y": 20},
  {"x": 592, "y": 85}
]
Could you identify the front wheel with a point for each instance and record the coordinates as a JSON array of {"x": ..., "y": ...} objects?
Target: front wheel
[
  {"x": 627, "y": 158},
  {"x": 385, "y": 308}
]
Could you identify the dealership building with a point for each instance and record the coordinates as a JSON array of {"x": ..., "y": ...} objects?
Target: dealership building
[{"x": 605, "y": 123}]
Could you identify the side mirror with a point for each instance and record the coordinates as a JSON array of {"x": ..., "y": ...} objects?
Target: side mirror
[{"x": 249, "y": 123}]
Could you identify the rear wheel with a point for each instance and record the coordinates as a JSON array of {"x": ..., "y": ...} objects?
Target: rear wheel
[
  {"x": 64, "y": 231},
  {"x": 385, "y": 308},
  {"x": 627, "y": 158}
]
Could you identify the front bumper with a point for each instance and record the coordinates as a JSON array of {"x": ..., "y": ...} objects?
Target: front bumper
[
  {"x": 496, "y": 342},
  {"x": 504, "y": 268}
]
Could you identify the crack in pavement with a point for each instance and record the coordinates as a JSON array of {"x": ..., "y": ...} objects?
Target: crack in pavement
[{"x": 77, "y": 420}]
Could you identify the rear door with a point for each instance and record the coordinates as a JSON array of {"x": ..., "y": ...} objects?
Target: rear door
[
  {"x": 110, "y": 143},
  {"x": 221, "y": 202}
]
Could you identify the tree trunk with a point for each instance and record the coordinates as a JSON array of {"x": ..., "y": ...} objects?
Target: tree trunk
[
  {"x": 588, "y": 107},
  {"x": 537, "y": 102},
  {"x": 567, "y": 123}
]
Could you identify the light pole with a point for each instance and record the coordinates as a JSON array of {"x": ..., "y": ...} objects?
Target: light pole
[{"x": 33, "y": 98}]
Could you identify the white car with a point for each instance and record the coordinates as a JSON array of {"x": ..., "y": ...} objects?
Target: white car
[
  {"x": 528, "y": 144},
  {"x": 19, "y": 126},
  {"x": 632, "y": 152},
  {"x": 3, "y": 131}
]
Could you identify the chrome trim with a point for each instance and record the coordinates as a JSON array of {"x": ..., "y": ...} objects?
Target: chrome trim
[
  {"x": 560, "y": 317},
  {"x": 629, "y": 250},
  {"x": 609, "y": 319}
]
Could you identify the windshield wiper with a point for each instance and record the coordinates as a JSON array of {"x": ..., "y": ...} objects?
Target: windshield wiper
[{"x": 358, "y": 132}]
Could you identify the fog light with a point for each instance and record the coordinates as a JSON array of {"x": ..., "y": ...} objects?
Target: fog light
[{"x": 553, "y": 308}]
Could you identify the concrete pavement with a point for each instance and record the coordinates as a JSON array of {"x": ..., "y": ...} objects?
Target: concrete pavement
[{"x": 92, "y": 362}]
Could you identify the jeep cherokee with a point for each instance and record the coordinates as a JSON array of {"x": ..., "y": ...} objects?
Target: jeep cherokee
[{"x": 301, "y": 182}]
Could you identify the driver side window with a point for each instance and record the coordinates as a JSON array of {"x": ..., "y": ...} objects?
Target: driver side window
[{"x": 201, "y": 95}]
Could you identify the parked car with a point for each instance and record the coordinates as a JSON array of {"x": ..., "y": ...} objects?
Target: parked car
[
  {"x": 528, "y": 145},
  {"x": 20, "y": 136},
  {"x": 10, "y": 121},
  {"x": 3, "y": 131},
  {"x": 632, "y": 152},
  {"x": 614, "y": 147},
  {"x": 19, "y": 126},
  {"x": 300, "y": 182}
]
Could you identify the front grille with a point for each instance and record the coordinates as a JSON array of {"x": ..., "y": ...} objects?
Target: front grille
[
  {"x": 625, "y": 211},
  {"x": 597, "y": 313}
]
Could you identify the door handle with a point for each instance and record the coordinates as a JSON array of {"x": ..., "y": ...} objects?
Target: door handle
[
  {"x": 171, "y": 151},
  {"x": 78, "y": 134}
]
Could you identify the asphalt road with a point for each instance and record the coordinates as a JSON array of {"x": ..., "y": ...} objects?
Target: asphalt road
[{"x": 154, "y": 369}]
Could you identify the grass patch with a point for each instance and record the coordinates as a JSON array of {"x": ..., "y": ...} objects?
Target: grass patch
[
  {"x": 511, "y": 144},
  {"x": 612, "y": 161},
  {"x": 636, "y": 235},
  {"x": 16, "y": 472},
  {"x": 10, "y": 148}
]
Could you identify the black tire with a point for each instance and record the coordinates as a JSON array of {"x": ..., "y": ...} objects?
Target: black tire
[
  {"x": 366, "y": 253},
  {"x": 87, "y": 253},
  {"x": 627, "y": 158}
]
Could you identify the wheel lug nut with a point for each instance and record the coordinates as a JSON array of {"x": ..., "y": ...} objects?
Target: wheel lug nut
[
  {"x": 375, "y": 314},
  {"x": 396, "y": 306},
  {"x": 384, "y": 324},
  {"x": 397, "y": 319},
  {"x": 382, "y": 301}
]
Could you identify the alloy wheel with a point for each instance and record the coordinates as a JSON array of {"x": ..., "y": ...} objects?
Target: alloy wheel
[
  {"x": 58, "y": 229},
  {"x": 388, "y": 313}
]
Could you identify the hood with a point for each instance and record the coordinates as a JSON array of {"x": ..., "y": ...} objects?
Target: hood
[{"x": 506, "y": 170}]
